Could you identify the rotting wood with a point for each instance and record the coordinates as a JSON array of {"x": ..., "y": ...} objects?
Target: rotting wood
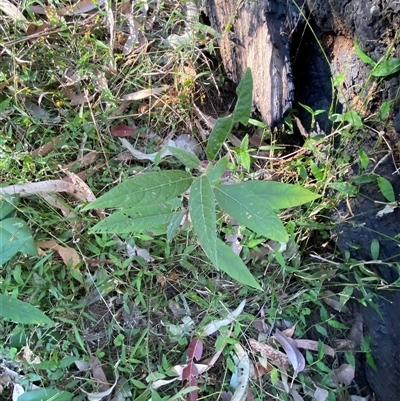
[{"x": 256, "y": 34}]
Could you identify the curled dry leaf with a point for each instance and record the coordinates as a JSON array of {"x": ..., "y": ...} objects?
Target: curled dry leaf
[
  {"x": 97, "y": 396},
  {"x": 217, "y": 324},
  {"x": 273, "y": 355},
  {"x": 386, "y": 210},
  {"x": 17, "y": 391},
  {"x": 76, "y": 100},
  {"x": 145, "y": 93},
  {"x": 80, "y": 186},
  {"x": 295, "y": 356}
]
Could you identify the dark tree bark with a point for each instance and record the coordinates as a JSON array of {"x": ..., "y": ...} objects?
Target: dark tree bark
[{"x": 294, "y": 53}]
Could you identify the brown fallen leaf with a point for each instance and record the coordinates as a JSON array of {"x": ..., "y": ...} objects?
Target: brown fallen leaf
[
  {"x": 47, "y": 147},
  {"x": 333, "y": 300},
  {"x": 76, "y": 100},
  {"x": 262, "y": 368},
  {"x": 122, "y": 130},
  {"x": 273, "y": 355},
  {"x": 80, "y": 186},
  {"x": 98, "y": 374},
  {"x": 67, "y": 254},
  {"x": 36, "y": 29},
  {"x": 86, "y": 160}
]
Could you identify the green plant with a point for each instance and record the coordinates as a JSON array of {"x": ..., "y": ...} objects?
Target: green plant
[
  {"x": 149, "y": 201},
  {"x": 15, "y": 235}
]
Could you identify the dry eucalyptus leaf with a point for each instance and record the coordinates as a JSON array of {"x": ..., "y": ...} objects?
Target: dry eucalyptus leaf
[
  {"x": 217, "y": 324},
  {"x": 289, "y": 345},
  {"x": 344, "y": 374},
  {"x": 17, "y": 391},
  {"x": 321, "y": 394},
  {"x": 313, "y": 346},
  {"x": 145, "y": 93},
  {"x": 98, "y": 374},
  {"x": 273, "y": 355},
  {"x": 66, "y": 254},
  {"x": 12, "y": 11}
]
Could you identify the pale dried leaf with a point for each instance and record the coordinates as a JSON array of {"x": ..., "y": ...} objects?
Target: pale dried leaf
[
  {"x": 295, "y": 395},
  {"x": 17, "y": 391},
  {"x": 289, "y": 332},
  {"x": 243, "y": 373},
  {"x": 12, "y": 11},
  {"x": 295, "y": 356},
  {"x": 26, "y": 355},
  {"x": 386, "y": 210},
  {"x": 313, "y": 346},
  {"x": 189, "y": 143},
  {"x": 98, "y": 374},
  {"x": 145, "y": 93},
  {"x": 133, "y": 37},
  {"x": 273, "y": 355},
  {"x": 321, "y": 394},
  {"x": 217, "y": 324},
  {"x": 344, "y": 374},
  {"x": 97, "y": 396},
  {"x": 82, "y": 365}
]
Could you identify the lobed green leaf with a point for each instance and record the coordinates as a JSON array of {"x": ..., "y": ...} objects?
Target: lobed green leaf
[
  {"x": 244, "y": 91},
  {"x": 145, "y": 189},
  {"x": 386, "y": 68},
  {"x": 46, "y": 394},
  {"x": 386, "y": 188},
  {"x": 231, "y": 264},
  {"x": 187, "y": 158},
  {"x": 137, "y": 220},
  {"x": 15, "y": 237},
  {"x": 203, "y": 216},
  {"x": 220, "y": 132},
  {"x": 277, "y": 195},
  {"x": 251, "y": 210},
  {"x": 362, "y": 56}
]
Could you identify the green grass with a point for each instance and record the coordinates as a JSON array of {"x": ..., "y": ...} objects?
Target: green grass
[{"x": 138, "y": 311}]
